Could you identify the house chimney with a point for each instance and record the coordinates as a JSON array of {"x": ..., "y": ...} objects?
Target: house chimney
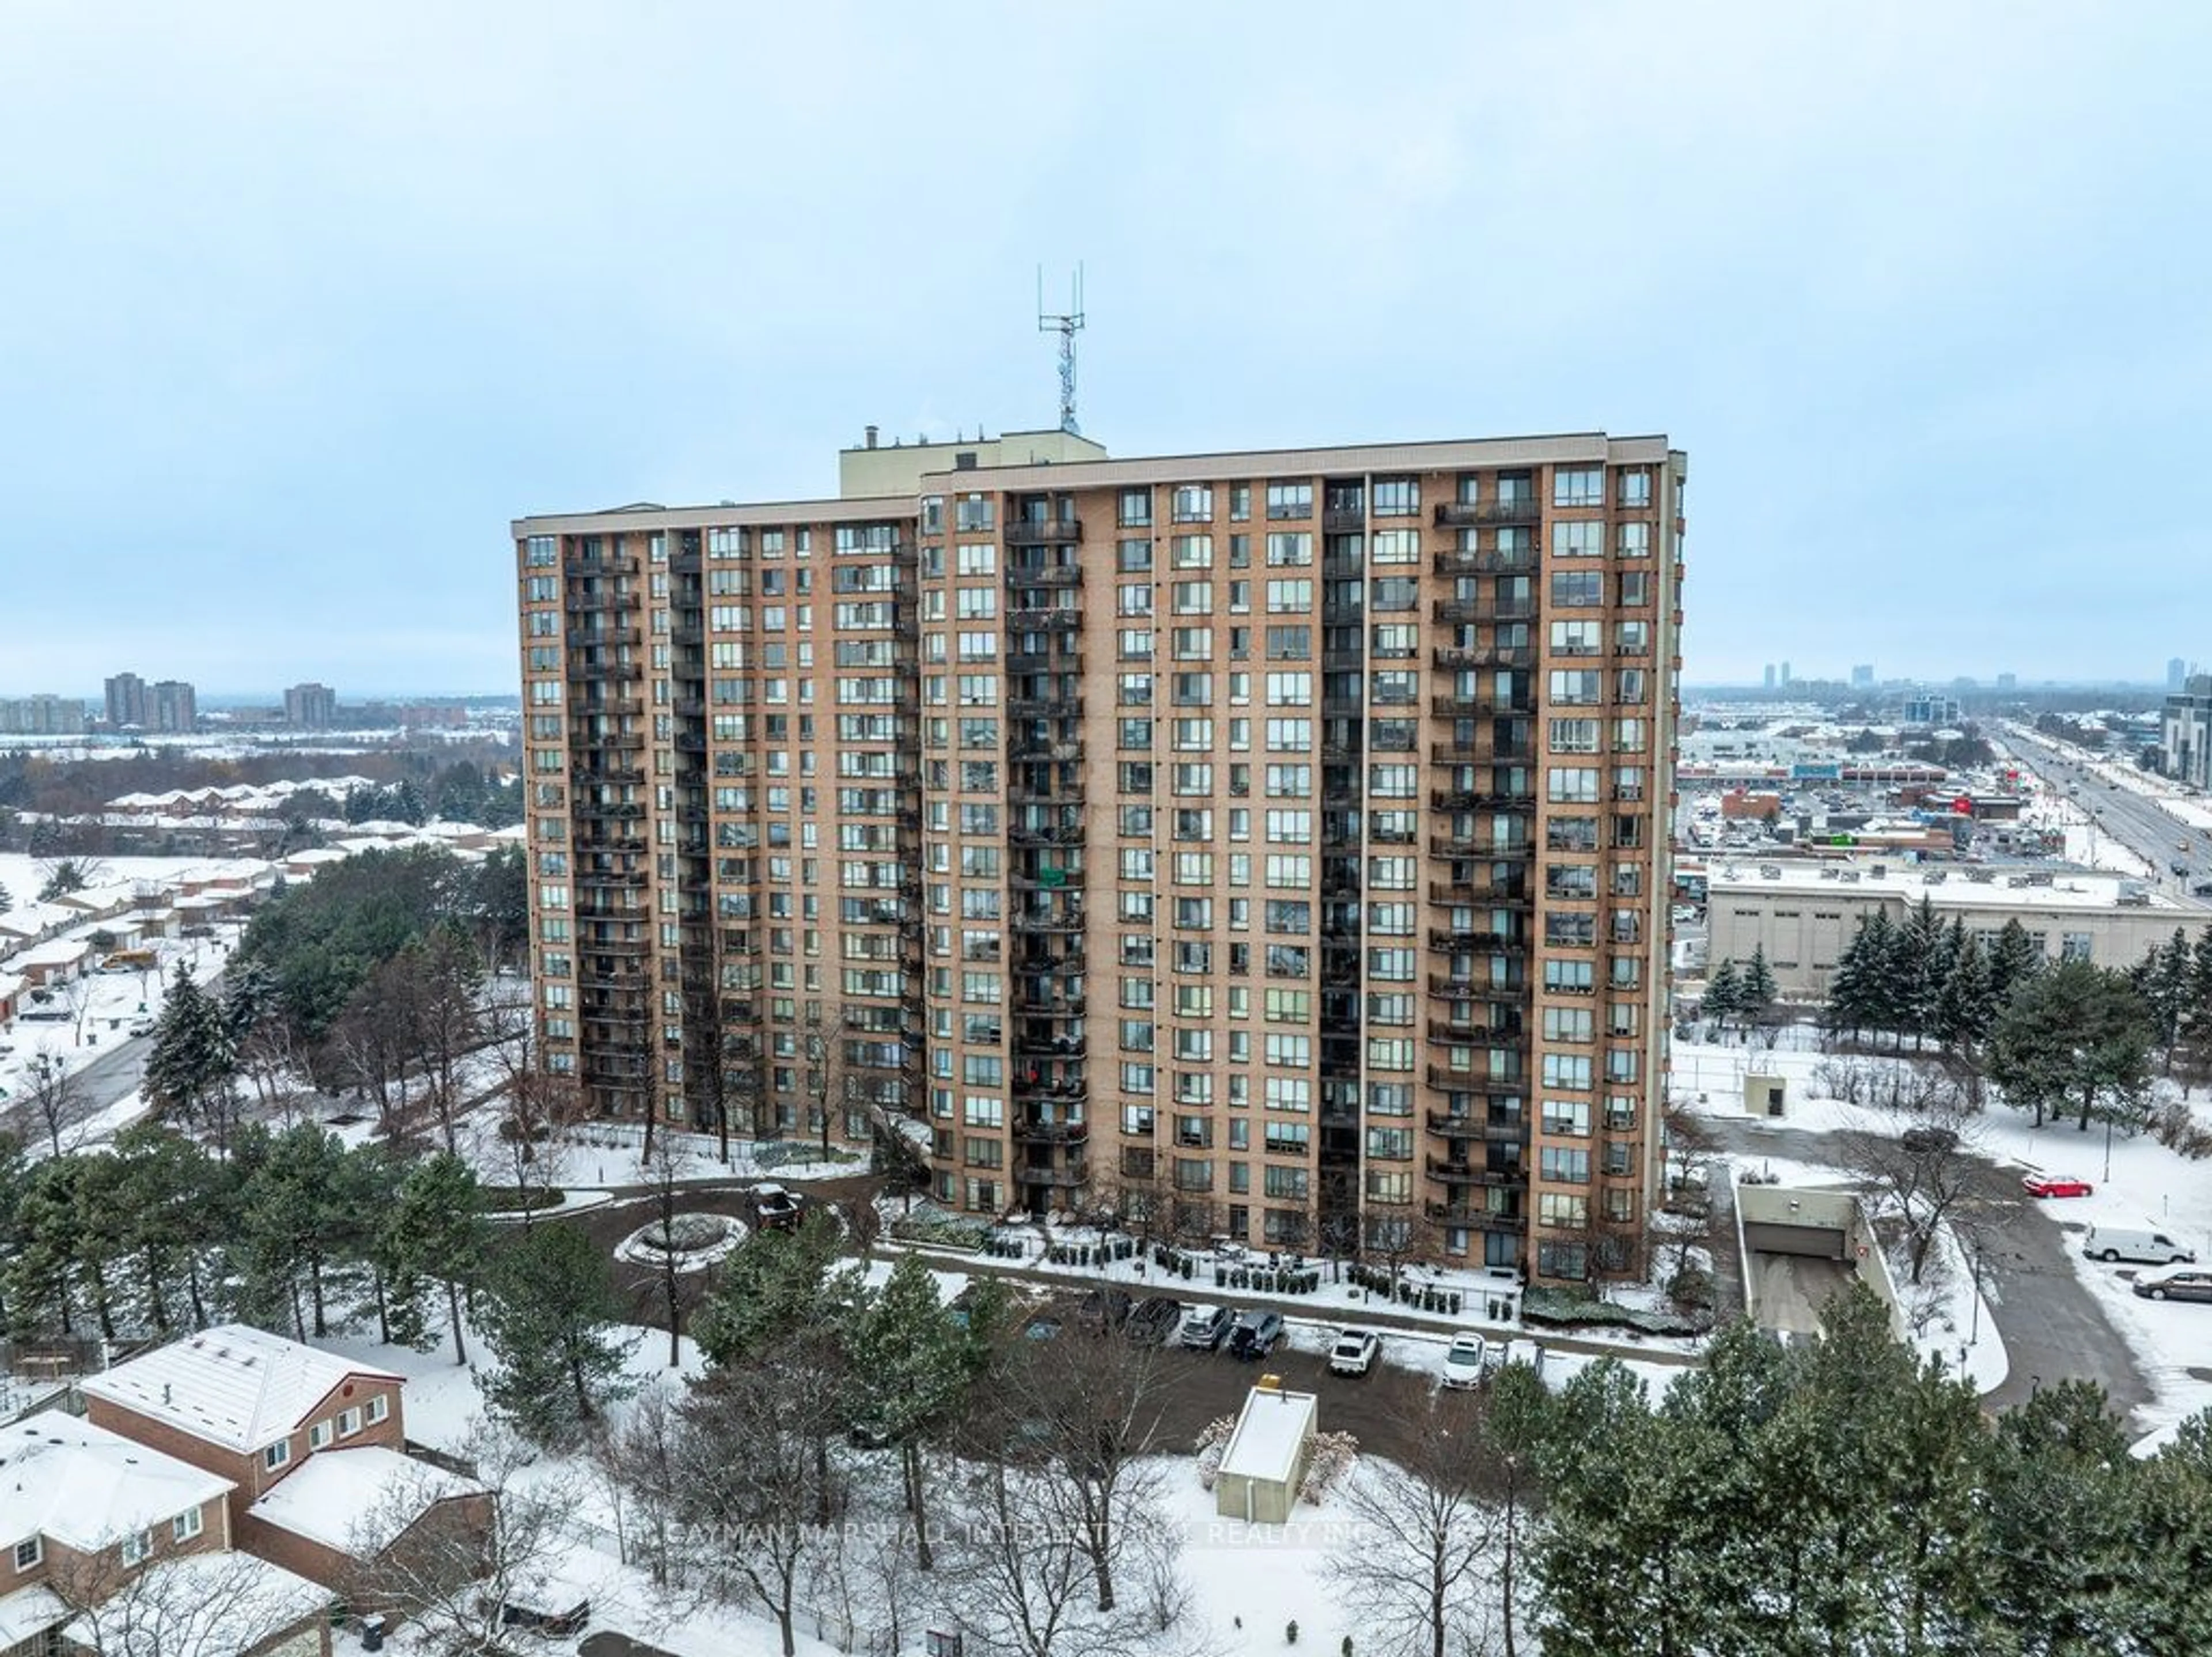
[{"x": 871, "y": 436}]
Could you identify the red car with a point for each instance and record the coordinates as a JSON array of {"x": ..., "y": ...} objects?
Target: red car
[{"x": 2055, "y": 1185}]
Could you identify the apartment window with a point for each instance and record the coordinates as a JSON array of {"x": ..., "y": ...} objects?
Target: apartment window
[
  {"x": 276, "y": 1455},
  {"x": 1578, "y": 486},
  {"x": 1135, "y": 510},
  {"x": 136, "y": 1548},
  {"x": 1397, "y": 497},
  {"x": 1635, "y": 589},
  {"x": 1193, "y": 503},
  {"x": 1633, "y": 489},
  {"x": 186, "y": 1525},
  {"x": 28, "y": 1553},
  {"x": 1578, "y": 638},
  {"x": 1635, "y": 540},
  {"x": 1576, "y": 687},
  {"x": 1286, "y": 500},
  {"x": 1577, "y": 588},
  {"x": 319, "y": 1435}
]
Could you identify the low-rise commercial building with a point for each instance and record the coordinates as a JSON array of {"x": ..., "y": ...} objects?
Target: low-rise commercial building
[{"x": 1804, "y": 916}]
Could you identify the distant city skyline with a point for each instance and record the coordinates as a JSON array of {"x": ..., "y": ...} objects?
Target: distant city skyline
[{"x": 287, "y": 353}]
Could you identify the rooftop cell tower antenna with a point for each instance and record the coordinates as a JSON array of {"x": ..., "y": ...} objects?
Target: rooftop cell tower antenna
[{"x": 1067, "y": 323}]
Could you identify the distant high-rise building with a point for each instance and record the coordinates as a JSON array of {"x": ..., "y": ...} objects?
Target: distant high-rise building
[
  {"x": 311, "y": 707},
  {"x": 1281, "y": 836},
  {"x": 43, "y": 715},
  {"x": 2177, "y": 674},
  {"x": 2008, "y": 681},
  {"x": 1862, "y": 676},
  {"x": 1770, "y": 675},
  {"x": 174, "y": 706},
  {"x": 1785, "y": 673},
  {"x": 127, "y": 701}
]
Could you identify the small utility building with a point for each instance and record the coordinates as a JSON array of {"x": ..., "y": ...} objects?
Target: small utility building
[{"x": 1266, "y": 1460}]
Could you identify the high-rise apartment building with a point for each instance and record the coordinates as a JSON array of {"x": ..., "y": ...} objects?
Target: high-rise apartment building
[
  {"x": 42, "y": 715},
  {"x": 311, "y": 707},
  {"x": 1277, "y": 839},
  {"x": 127, "y": 701},
  {"x": 174, "y": 704}
]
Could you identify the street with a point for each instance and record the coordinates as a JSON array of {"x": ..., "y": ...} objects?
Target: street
[{"x": 2135, "y": 820}]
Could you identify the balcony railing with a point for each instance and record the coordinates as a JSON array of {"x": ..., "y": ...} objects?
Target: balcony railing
[
  {"x": 1519, "y": 509},
  {"x": 1480, "y": 1219},
  {"x": 1059, "y": 1178},
  {"x": 1048, "y": 575},
  {"x": 1472, "y": 942},
  {"x": 1467, "y": 1173},
  {"x": 1044, "y": 532},
  {"x": 1034, "y": 620},
  {"x": 1052, "y": 1133},
  {"x": 1459, "y": 560},
  {"x": 1456, "y": 656}
]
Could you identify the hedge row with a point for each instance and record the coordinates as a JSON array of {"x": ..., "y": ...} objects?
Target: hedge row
[{"x": 513, "y": 1199}]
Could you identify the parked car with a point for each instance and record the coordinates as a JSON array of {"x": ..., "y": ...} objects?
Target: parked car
[
  {"x": 2055, "y": 1184},
  {"x": 1925, "y": 1140},
  {"x": 2139, "y": 1244},
  {"x": 1355, "y": 1352},
  {"x": 1205, "y": 1328},
  {"x": 1104, "y": 1309},
  {"x": 2182, "y": 1283},
  {"x": 1255, "y": 1334},
  {"x": 1041, "y": 1329},
  {"x": 1465, "y": 1360},
  {"x": 140, "y": 1028},
  {"x": 1521, "y": 1349},
  {"x": 1155, "y": 1320},
  {"x": 774, "y": 1209}
]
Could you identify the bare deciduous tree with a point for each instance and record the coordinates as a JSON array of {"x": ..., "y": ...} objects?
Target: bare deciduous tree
[
  {"x": 1415, "y": 1579},
  {"x": 1927, "y": 1171},
  {"x": 453, "y": 1566}
]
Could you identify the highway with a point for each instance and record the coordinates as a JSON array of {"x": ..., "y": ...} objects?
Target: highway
[{"x": 2134, "y": 819}]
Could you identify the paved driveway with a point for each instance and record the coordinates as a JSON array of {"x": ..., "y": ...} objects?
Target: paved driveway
[{"x": 2053, "y": 1330}]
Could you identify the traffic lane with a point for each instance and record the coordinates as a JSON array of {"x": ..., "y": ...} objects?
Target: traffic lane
[
  {"x": 2136, "y": 820},
  {"x": 2053, "y": 1328}
]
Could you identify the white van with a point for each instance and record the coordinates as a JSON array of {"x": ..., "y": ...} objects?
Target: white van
[{"x": 2143, "y": 1246}]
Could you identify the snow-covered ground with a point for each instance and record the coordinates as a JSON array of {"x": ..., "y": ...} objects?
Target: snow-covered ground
[{"x": 2138, "y": 1182}]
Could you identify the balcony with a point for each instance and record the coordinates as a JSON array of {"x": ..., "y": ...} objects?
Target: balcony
[
  {"x": 1467, "y": 1173},
  {"x": 1504, "y": 1127},
  {"x": 1059, "y": 1179},
  {"x": 1458, "y": 561},
  {"x": 1491, "y": 893},
  {"x": 1048, "y": 706},
  {"x": 1469, "y": 1081},
  {"x": 1453, "y": 656},
  {"x": 1474, "y": 943},
  {"x": 1480, "y": 1219},
  {"x": 1457, "y": 843},
  {"x": 1343, "y": 520},
  {"x": 1038, "y": 1045},
  {"x": 1054, "y": 619},
  {"x": 1053, "y": 919},
  {"x": 1510, "y": 1033},
  {"x": 1052, "y": 1133},
  {"x": 1482, "y": 705},
  {"x": 1515, "y": 798},
  {"x": 1042, "y": 531},
  {"x": 1462, "y": 515},
  {"x": 1021, "y": 576}
]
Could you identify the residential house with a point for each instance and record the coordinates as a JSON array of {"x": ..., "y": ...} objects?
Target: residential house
[
  {"x": 100, "y": 1529},
  {"x": 313, "y": 1443}
]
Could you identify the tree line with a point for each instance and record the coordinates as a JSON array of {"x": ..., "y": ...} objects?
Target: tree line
[{"x": 2057, "y": 1038}]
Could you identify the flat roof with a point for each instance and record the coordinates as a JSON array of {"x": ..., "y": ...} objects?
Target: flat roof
[
  {"x": 1945, "y": 886},
  {"x": 1270, "y": 1432},
  {"x": 1223, "y": 464}
]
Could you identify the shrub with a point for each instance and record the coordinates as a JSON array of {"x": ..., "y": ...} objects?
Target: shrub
[
  {"x": 1332, "y": 1458},
  {"x": 2175, "y": 1126},
  {"x": 514, "y": 1199},
  {"x": 1691, "y": 1289},
  {"x": 1211, "y": 1441},
  {"x": 686, "y": 1232}
]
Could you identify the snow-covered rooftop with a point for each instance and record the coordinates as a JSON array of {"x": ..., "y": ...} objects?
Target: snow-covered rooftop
[
  {"x": 358, "y": 1501},
  {"x": 202, "y": 1605},
  {"x": 232, "y": 1385},
  {"x": 1945, "y": 888},
  {"x": 88, "y": 1488},
  {"x": 1269, "y": 1435},
  {"x": 26, "y": 1612}
]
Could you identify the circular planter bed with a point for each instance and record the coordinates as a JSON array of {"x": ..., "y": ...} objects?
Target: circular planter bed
[{"x": 690, "y": 1240}]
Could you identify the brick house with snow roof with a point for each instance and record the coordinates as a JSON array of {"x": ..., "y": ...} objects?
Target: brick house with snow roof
[{"x": 313, "y": 1444}]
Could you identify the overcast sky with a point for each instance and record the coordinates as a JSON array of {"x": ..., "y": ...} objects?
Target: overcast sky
[{"x": 301, "y": 304}]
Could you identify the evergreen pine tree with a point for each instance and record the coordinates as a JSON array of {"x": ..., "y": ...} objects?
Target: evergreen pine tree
[
  {"x": 1967, "y": 1005},
  {"x": 1851, "y": 990},
  {"x": 1723, "y": 994},
  {"x": 552, "y": 1319},
  {"x": 2013, "y": 961},
  {"x": 435, "y": 1233},
  {"x": 1757, "y": 991},
  {"x": 912, "y": 1366},
  {"x": 1882, "y": 1003},
  {"x": 1919, "y": 961}
]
